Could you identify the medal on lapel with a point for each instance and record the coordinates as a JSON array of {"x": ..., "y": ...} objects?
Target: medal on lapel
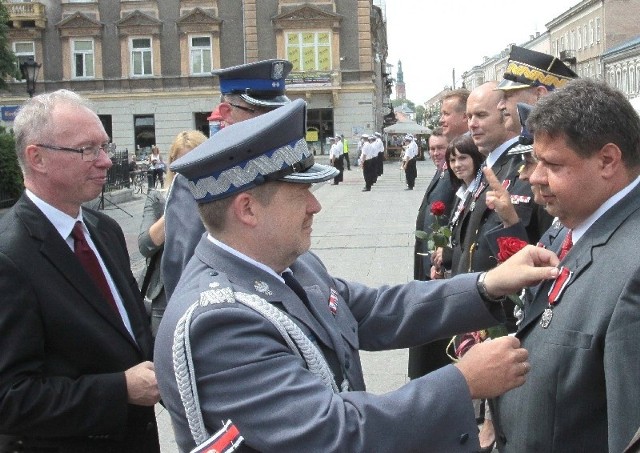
[
  {"x": 556, "y": 290},
  {"x": 333, "y": 302},
  {"x": 476, "y": 194}
]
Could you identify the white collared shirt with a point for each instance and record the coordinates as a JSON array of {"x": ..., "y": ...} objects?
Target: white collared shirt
[
  {"x": 244, "y": 257},
  {"x": 581, "y": 229},
  {"x": 494, "y": 155},
  {"x": 64, "y": 223}
]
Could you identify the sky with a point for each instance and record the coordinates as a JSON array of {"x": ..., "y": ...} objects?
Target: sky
[{"x": 432, "y": 38}]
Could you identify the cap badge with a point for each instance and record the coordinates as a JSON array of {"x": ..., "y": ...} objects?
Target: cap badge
[{"x": 277, "y": 70}]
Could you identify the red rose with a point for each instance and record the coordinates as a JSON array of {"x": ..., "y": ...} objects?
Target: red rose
[
  {"x": 509, "y": 246},
  {"x": 437, "y": 208}
]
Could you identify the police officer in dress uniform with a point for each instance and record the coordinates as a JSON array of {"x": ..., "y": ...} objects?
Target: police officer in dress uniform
[
  {"x": 258, "y": 334},
  {"x": 247, "y": 90},
  {"x": 368, "y": 161}
]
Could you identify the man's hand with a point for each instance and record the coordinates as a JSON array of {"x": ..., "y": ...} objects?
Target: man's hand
[
  {"x": 494, "y": 367},
  {"x": 528, "y": 267},
  {"x": 142, "y": 387},
  {"x": 499, "y": 199}
]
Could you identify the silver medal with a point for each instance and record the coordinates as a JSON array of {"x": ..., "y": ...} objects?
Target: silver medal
[{"x": 546, "y": 318}]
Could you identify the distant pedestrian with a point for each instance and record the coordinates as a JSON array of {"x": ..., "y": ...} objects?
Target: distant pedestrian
[
  {"x": 379, "y": 151},
  {"x": 409, "y": 160},
  {"x": 345, "y": 145},
  {"x": 368, "y": 162},
  {"x": 336, "y": 155}
]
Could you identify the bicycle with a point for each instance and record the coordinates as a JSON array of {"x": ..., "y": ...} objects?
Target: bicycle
[{"x": 140, "y": 182}]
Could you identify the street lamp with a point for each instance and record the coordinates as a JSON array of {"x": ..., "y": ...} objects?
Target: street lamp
[{"x": 29, "y": 69}]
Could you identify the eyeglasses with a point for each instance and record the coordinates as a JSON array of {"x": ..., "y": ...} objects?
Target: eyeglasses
[
  {"x": 242, "y": 107},
  {"x": 89, "y": 153}
]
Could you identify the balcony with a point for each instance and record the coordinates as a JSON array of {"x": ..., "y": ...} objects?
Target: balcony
[{"x": 26, "y": 15}]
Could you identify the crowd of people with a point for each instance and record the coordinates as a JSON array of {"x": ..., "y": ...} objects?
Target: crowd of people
[{"x": 535, "y": 191}]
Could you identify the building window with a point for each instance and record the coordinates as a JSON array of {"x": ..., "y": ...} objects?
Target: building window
[
  {"x": 141, "y": 57},
  {"x": 83, "y": 58},
  {"x": 591, "y": 33},
  {"x": 572, "y": 40},
  {"x": 579, "y": 38},
  {"x": 309, "y": 51},
  {"x": 144, "y": 127},
  {"x": 200, "y": 55},
  {"x": 598, "y": 29},
  {"x": 23, "y": 51}
]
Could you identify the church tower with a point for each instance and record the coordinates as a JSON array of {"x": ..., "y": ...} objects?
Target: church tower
[{"x": 400, "y": 90}]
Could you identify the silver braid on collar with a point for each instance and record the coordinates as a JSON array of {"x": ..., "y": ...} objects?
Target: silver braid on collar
[{"x": 183, "y": 367}]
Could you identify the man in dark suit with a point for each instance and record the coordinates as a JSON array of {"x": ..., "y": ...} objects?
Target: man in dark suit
[
  {"x": 471, "y": 251},
  {"x": 581, "y": 331},
  {"x": 75, "y": 374},
  {"x": 426, "y": 358},
  {"x": 254, "y": 305}
]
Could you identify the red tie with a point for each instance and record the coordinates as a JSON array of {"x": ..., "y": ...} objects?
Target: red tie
[
  {"x": 566, "y": 245},
  {"x": 90, "y": 262}
]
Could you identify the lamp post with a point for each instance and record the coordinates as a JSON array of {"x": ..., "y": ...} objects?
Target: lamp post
[{"x": 29, "y": 69}]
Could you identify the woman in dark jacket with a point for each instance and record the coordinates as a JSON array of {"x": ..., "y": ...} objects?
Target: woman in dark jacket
[{"x": 151, "y": 237}]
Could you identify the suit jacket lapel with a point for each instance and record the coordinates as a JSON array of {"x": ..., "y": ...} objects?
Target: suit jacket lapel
[
  {"x": 55, "y": 249},
  {"x": 103, "y": 238},
  {"x": 581, "y": 255}
]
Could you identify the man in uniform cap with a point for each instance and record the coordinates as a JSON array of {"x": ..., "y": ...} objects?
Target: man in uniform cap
[
  {"x": 247, "y": 91},
  {"x": 529, "y": 76},
  {"x": 379, "y": 148},
  {"x": 368, "y": 161},
  {"x": 260, "y": 335},
  {"x": 409, "y": 159}
]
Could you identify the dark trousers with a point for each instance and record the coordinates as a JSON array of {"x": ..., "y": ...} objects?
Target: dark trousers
[
  {"x": 345, "y": 156},
  {"x": 339, "y": 165},
  {"x": 153, "y": 176},
  {"x": 411, "y": 172},
  {"x": 370, "y": 172},
  {"x": 380, "y": 164}
]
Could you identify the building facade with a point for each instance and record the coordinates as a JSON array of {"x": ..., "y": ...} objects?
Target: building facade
[
  {"x": 146, "y": 64},
  {"x": 598, "y": 39}
]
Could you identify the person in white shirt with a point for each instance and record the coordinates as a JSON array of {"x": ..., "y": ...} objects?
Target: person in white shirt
[
  {"x": 409, "y": 159},
  {"x": 336, "y": 154},
  {"x": 369, "y": 162}
]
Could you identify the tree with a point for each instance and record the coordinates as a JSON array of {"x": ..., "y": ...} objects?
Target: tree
[
  {"x": 11, "y": 183},
  {"x": 420, "y": 114},
  {"x": 8, "y": 65}
]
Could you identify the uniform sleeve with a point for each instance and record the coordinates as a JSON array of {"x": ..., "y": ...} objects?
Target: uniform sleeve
[{"x": 278, "y": 405}]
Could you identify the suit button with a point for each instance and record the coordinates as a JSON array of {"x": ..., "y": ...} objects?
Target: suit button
[
  {"x": 150, "y": 427},
  {"x": 464, "y": 437}
]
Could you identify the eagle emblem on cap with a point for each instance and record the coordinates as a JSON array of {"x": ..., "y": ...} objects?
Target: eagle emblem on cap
[{"x": 277, "y": 70}]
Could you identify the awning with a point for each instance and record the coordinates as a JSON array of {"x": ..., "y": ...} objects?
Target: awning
[{"x": 406, "y": 127}]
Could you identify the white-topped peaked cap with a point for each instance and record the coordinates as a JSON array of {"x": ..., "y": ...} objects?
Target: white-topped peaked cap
[{"x": 269, "y": 147}]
